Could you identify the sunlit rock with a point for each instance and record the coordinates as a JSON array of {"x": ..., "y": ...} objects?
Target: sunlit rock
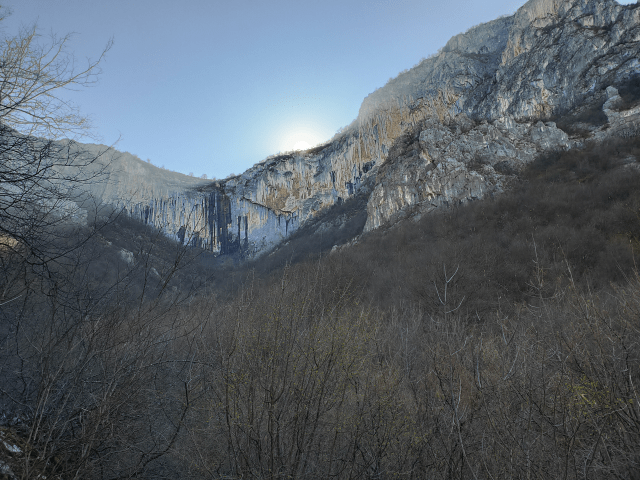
[{"x": 482, "y": 106}]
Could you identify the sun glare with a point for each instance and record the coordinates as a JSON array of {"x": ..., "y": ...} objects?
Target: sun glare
[
  {"x": 300, "y": 136},
  {"x": 301, "y": 145}
]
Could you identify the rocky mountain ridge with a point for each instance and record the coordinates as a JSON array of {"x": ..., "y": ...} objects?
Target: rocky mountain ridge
[{"x": 472, "y": 115}]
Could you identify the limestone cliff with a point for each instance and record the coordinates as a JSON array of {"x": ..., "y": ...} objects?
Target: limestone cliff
[{"x": 482, "y": 106}]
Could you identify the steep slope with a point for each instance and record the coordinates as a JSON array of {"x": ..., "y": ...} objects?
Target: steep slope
[{"x": 450, "y": 130}]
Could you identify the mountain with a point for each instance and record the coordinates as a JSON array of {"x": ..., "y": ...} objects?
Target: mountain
[
  {"x": 495, "y": 339},
  {"x": 454, "y": 128}
]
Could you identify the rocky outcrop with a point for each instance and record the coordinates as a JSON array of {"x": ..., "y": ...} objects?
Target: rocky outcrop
[
  {"x": 245, "y": 214},
  {"x": 453, "y": 167},
  {"x": 623, "y": 121},
  {"x": 482, "y": 105},
  {"x": 547, "y": 58},
  {"x": 559, "y": 54}
]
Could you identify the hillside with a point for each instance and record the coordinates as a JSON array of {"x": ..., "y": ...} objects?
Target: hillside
[
  {"x": 499, "y": 94},
  {"x": 448, "y": 289}
]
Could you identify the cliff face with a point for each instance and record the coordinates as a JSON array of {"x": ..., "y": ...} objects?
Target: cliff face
[
  {"x": 481, "y": 106},
  {"x": 245, "y": 214},
  {"x": 558, "y": 55},
  {"x": 451, "y": 166}
]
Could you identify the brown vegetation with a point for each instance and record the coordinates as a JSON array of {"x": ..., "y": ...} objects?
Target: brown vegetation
[
  {"x": 304, "y": 379},
  {"x": 495, "y": 340}
]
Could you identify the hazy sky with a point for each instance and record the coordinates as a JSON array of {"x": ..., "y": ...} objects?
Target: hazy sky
[{"x": 213, "y": 86}]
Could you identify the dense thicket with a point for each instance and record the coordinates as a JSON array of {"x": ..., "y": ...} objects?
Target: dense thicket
[
  {"x": 95, "y": 344},
  {"x": 94, "y": 360},
  {"x": 497, "y": 339},
  {"x": 304, "y": 380}
]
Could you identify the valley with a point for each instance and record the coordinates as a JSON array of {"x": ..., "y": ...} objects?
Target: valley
[{"x": 448, "y": 288}]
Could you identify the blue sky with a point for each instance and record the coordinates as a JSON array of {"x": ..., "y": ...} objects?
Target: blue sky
[{"x": 212, "y": 86}]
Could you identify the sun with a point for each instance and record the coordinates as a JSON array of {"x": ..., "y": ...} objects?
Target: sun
[
  {"x": 301, "y": 145},
  {"x": 299, "y": 136}
]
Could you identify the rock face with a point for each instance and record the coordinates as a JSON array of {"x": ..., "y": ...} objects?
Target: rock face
[
  {"x": 455, "y": 167},
  {"x": 482, "y": 105},
  {"x": 245, "y": 214},
  {"x": 559, "y": 54},
  {"x": 624, "y": 121}
]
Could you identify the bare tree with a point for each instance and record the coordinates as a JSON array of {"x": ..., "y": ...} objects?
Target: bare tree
[
  {"x": 40, "y": 179},
  {"x": 33, "y": 75},
  {"x": 92, "y": 383}
]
